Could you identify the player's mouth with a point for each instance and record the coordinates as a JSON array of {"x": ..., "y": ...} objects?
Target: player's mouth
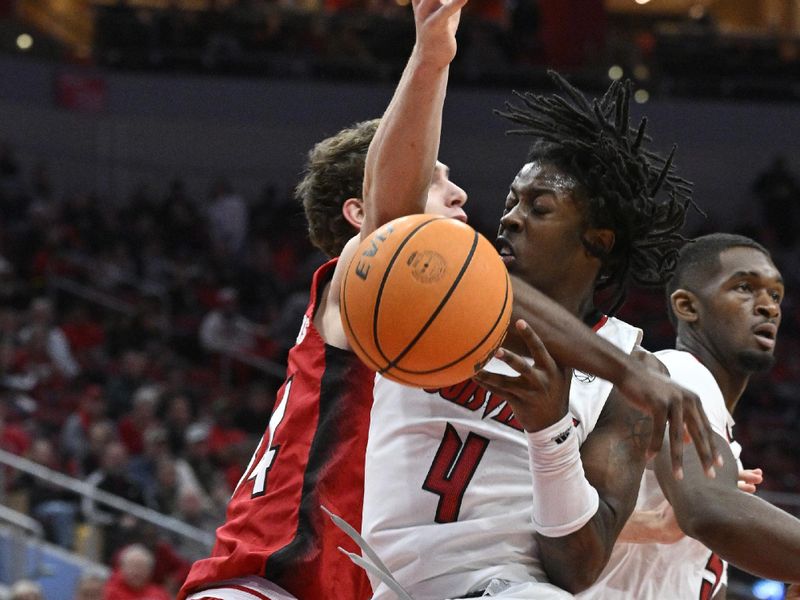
[
  {"x": 460, "y": 215},
  {"x": 505, "y": 250},
  {"x": 765, "y": 334}
]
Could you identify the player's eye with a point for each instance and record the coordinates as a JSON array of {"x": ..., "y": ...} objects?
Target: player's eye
[{"x": 744, "y": 287}]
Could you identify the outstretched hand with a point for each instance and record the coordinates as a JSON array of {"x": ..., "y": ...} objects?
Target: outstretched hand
[
  {"x": 539, "y": 396},
  {"x": 657, "y": 395},
  {"x": 436, "y": 22}
]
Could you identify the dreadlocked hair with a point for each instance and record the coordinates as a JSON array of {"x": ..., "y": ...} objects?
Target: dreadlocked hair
[{"x": 619, "y": 179}]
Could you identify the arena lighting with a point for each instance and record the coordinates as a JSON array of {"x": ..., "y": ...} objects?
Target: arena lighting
[
  {"x": 641, "y": 96},
  {"x": 615, "y": 72},
  {"x": 24, "y": 41},
  {"x": 642, "y": 1},
  {"x": 766, "y": 589}
]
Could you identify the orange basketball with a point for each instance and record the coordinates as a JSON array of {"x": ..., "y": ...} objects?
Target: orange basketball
[{"x": 426, "y": 301}]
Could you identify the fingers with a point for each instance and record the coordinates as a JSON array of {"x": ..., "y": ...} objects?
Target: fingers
[
  {"x": 749, "y": 479},
  {"x": 703, "y": 436},
  {"x": 676, "y": 438},
  {"x": 657, "y": 436},
  {"x": 541, "y": 357},
  {"x": 746, "y": 487}
]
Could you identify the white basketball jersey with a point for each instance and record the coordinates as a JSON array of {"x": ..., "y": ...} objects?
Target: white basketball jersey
[
  {"x": 686, "y": 569},
  {"x": 447, "y": 484}
]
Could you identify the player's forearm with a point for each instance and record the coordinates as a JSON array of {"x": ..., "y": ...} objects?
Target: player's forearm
[
  {"x": 569, "y": 341},
  {"x": 575, "y": 561},
  {"x": 747, "y": 532},
  {"x": 402, "y": 155}
]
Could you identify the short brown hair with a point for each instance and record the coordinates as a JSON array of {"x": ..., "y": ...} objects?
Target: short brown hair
[{"x": 333, "y": 173}]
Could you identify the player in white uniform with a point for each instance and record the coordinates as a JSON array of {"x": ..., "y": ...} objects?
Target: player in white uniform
[
  {"x": 448, "y": 489},
  {"x": 455, "y": 503},
  {"x": 725, "y": 296}
]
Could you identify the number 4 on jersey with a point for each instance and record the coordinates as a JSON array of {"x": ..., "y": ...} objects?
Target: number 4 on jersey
[
  {"x": 452, "y": 470},
  {"x": 259, "y": 473}
]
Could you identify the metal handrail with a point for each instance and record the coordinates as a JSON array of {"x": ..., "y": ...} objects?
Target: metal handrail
[
  {"x": 84, "y": 489},
  {"x": 21, "y": 520}
]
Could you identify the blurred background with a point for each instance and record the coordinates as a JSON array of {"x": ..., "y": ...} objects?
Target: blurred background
[{"x": 154, "y": 267}]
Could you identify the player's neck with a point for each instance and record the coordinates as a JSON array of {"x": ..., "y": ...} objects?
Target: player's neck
[{"x": 732, "y": 383}]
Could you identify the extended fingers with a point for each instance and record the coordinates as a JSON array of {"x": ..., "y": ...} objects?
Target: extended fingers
[
  {"x": 676, "y": 438},
  {"x": 657, "y": 436},
  {"x": 502, "y": 385},
  {"x": 703, "y": 436},
  {"x": 536, "y": 347}
]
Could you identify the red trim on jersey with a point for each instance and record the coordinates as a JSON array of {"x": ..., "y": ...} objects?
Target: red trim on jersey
[
  {"x": 240, "y": 588},
  {"x": 602, "y": 321}
]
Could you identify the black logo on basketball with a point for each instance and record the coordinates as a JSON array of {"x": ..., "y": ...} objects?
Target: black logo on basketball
[
  {"x": 582, "y": 377},
  {"x": 427, "y": 266}
]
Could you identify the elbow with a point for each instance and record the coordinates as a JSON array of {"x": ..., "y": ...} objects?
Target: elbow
[{"x": 578, "y": 577}]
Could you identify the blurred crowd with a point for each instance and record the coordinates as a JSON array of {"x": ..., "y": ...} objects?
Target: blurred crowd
[
  {"x": 142, "y": 342},
  {"x": 141, "y": 345},
  {"x": 501, "y": 42}
]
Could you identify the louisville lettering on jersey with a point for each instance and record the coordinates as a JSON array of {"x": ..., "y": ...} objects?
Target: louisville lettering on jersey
[{"x": 473, "y": 397}]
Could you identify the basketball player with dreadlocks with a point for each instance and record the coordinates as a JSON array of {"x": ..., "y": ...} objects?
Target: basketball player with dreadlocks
[
  {"x": 725, "y": 300},
  {"x": 450, "y": 484}
]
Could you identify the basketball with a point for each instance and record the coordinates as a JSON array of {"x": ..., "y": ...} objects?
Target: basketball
[{"x": 426, "y": 301}]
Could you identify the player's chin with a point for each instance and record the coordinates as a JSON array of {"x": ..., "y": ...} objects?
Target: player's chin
[{"x": 756, "y": 361}]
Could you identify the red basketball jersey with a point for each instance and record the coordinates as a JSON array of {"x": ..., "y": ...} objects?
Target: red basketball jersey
[{"x": 311, "y": 454}]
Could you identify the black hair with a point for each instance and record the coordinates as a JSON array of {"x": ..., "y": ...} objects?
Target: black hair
[
  {"x": 594, "y": 142},
  {"x": 699, "y": 259}
]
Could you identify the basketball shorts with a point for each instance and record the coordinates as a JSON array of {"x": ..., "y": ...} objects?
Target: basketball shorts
[{"x": 245, "y": 588}]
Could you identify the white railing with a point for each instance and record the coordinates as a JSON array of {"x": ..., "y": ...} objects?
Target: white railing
[{"x": 84, "y": 489}]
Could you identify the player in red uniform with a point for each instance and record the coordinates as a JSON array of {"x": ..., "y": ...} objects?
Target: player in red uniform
[{"x": 276, "y": 543}]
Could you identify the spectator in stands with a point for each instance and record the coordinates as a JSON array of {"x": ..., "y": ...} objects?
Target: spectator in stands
[
  {"x": 194, "y": 511},
  {"x": 779, "y": 193},
  {"x": 53, "y": 506},
  {"x": 26, "y": 590},
  {"x": 228, "y": 220},
  {"x": 90, "y": 586},
  {"x": 13, "y": 437},
  {"x": 42, "y": 327},
  {"x": 121, "y": 386},
  {"x": 177, "y": 417},
  {"x": 133, "y": 425},
  {"x": 257, "y": 407},
  {"x": 75, "y": 440},
  {"x": 132, "y": 579},
  {"x": 198, "y": 455},
  {"x": 162, "y": 476},
  {"x": 119, "y": 528},
  {"x": 99, "y": 436},
  {"x": 225, "y": 329}
]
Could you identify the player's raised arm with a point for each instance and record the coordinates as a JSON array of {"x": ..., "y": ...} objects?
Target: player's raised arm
[
  {"x": 741, "y": 528},
  {"x": 403, "y": 153},
  {"x": 573, "y": 344}
]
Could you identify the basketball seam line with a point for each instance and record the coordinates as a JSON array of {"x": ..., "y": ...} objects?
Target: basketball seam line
[
  {"x": 492, "y": 329},
  {"x": 439, "y": 308}
]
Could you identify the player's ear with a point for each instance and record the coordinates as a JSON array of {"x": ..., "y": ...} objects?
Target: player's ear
[
  {"x": 598, "y": 242},
  {"x": 684, "y": 305},
  {"x": 353, "y": 211}
]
